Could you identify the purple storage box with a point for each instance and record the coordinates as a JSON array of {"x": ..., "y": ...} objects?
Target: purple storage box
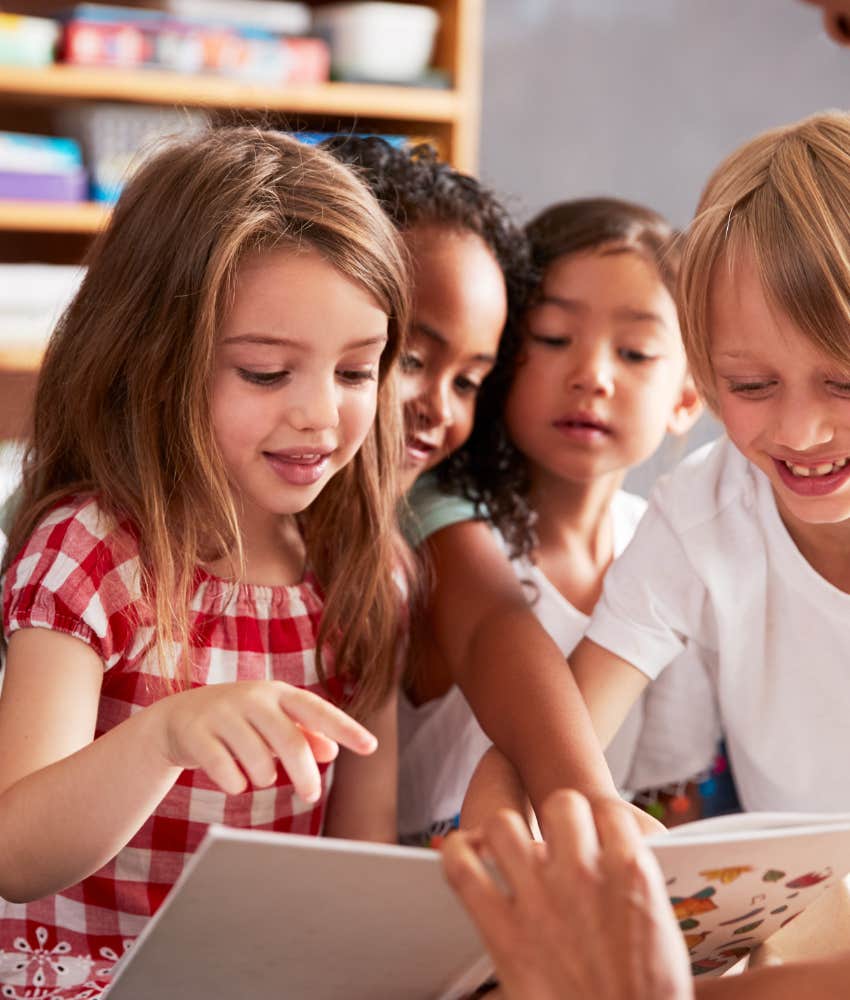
[{"x": 71, "y": 186}]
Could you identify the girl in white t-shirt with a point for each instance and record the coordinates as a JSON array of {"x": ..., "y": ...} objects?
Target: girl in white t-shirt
[{"x": 596, "y": 378}]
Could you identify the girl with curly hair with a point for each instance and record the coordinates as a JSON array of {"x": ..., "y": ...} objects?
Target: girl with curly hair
[
  {"x": 483, "y": 655},
  {"x": 590, "y": 380}
]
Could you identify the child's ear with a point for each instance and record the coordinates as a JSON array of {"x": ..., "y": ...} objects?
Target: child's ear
[{"x": 687, "y": 409}]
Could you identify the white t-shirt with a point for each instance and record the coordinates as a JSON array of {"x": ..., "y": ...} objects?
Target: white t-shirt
[
  {"x": 712, "y": 562},
  {"x": 441, "y": 742}
]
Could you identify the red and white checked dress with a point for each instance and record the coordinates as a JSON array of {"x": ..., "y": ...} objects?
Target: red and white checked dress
[{"x": 79, "y": 574}]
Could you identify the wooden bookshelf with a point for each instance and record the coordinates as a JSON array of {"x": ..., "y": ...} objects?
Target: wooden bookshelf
[
  {"x": 20, "y": 358},
  {"x": 52, "y": 217},
  {"x": 31, "y": 230},
  {"x": 73, "y": 83}
]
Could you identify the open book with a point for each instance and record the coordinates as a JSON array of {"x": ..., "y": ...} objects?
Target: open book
[
  {"x": 259, "y": 915},
  {"x": 735, "y": 880}
]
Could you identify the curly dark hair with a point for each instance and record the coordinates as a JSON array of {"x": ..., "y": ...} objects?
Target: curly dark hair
[
  {"x": 414, "y": 188},
  {"x": 489, "y": 468}
]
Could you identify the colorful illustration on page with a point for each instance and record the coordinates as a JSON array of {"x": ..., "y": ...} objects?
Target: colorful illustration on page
[{"x": 725, "y": 910}]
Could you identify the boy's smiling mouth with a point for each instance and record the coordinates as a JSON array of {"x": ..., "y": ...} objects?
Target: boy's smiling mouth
[
  {"x": 813, "y": 479},
  {"x": 822, "y": 469}
]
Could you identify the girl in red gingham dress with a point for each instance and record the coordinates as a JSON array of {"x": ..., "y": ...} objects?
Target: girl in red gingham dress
[{"x": 211, "y": 470}]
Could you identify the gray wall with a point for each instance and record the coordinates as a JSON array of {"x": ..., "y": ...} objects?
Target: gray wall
[{"x": 642, "y": 98}]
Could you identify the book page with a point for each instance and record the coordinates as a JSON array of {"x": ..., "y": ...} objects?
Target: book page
[
  {"x": 732, "y": 891},
  {"x": 260, "y": 915},
  {"x": 756, "y": 823}
]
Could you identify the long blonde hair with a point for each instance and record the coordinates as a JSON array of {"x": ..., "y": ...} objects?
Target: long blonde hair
[
  {"x": 781, "y": 198},
  {"x": 122, "y": 409}
]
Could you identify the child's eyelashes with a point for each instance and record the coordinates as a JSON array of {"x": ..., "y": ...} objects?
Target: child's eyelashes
[
  {"x": 631, "y": 355},
  {"x": 757, "y": 388},
  {"x": 635, "y": 356},
  {"x": 262, "y": 378},
  {"x": 348, "y": 376},
  {"x": 356, "y": 376},
  {"x": 466, "y": 386},
  {"x": 750, "y": 388},
  {"x": 411, "y": 363},
  {"x": 549, "y": 340}
]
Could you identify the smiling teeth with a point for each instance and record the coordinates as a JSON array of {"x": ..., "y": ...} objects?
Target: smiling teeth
[{"x": 807, "y": 471}]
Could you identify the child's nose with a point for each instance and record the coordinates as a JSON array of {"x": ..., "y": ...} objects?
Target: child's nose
[
  {"x": 316, "y": 407},
  {"x": 801, "y": 426},
  {"x": 593, "y": 373},
  {"x": 435, "y": 404}
]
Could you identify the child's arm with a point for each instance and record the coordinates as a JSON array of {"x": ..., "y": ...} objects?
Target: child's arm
[
  {"x": 495, "y": 785},
  {"x": 608, "y": 684},
  {"x": 69, "y": 803},
  {"x": 511, "y": 671},
  {"x": 362, "y": 804},
  {"x": 823, "y": 979}
]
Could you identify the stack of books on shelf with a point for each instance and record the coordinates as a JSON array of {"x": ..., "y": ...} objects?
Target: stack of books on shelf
[
  {"x": 32, "y": 298},
  {"x": 27, "y": 41},
  {"x": 239, "y": 39},
  {"x": 262, "y": 42},
  {"x": 41, "y": 167}
]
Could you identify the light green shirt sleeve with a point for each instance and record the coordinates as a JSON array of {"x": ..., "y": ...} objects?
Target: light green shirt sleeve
[
  {"x": 429, "y": 509},
  {"x": 8, "y": 509}
]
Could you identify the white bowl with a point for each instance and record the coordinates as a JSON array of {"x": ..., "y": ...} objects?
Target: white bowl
[{"x": 385, "y": 42}]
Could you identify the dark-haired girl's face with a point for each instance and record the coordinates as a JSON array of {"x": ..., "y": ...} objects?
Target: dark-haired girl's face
[
  {"x": 459, "y": 311},
  {"x": 602, "y": 376}
]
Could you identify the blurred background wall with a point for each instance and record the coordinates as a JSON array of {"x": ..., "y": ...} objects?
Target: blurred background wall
[{"x": 641, "y": 99}]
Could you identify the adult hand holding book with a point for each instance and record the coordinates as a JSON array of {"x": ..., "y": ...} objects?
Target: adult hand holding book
[
  {"x": 585, "y": 917},
  {"x": 590, "y": 917}
]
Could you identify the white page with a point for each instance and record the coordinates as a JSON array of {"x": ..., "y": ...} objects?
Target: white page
[
  {"x": 757, "y": 823},
  {"x": 258, "y": 915}
]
